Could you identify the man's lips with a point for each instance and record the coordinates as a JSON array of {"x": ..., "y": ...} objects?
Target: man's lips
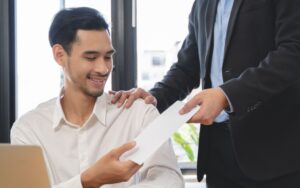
[{"x": 97, "y": 80}]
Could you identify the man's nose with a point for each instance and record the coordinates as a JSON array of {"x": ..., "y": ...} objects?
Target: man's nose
[{"x": 102, "y": 66}]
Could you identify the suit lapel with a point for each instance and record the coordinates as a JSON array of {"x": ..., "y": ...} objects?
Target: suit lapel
[
  {"x": 210, "y": 15},
  {"x": 232, "y": 20},
  {"x": 211, "y": 8}
]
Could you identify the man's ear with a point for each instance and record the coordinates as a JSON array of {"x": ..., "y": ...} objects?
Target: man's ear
[{"x": 59, "y": 54}]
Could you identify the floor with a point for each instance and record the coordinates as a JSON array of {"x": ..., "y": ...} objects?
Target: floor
[
  {"x": 195, "y": 185},
  {"x": 190, "y": 177}
]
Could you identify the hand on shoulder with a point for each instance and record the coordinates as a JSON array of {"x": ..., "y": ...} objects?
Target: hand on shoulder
[{"x": 129, "y": 96}]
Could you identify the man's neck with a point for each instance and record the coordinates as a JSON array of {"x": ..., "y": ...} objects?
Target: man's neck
[{"x": 77, "y": 107}]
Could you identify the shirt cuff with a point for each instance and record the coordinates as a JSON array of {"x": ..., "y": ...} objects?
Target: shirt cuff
[
  {"x": 228, "y": 109},
  {"x": 74, "y": 182}
]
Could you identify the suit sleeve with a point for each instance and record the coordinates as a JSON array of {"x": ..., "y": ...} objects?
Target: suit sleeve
[{"x": 278, "y": 71}]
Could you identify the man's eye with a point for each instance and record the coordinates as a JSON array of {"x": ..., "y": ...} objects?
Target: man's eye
[
  {"x": 108, "y": 57},
  {"x": 91, "y": 58}
]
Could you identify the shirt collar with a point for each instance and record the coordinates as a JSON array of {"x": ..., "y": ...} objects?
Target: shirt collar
[
  {"x": 58, "y": 115},
  {"x": 99, "y": 111},
  {"x": 100, "y": 108}
]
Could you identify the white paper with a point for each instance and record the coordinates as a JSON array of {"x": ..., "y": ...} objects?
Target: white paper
[{"x": 158, "y": 132}]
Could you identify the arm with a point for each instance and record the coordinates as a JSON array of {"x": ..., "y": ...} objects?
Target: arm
[
  {"x": 108, "y": 169},
  {"x": 184, "y": 75},
  {"x": 257, "y": 82},
  {"x": 21, "y": 136},
  {"x": 279, "y": 70}
]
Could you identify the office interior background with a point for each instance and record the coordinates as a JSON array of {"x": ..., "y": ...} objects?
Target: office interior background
[{"x": 146, "y": 35}]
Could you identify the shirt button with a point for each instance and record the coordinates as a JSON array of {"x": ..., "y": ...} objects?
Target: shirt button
[{"x": 227, "y": 72}]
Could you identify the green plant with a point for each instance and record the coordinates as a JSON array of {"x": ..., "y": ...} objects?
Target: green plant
[{"x": 185, "y": 137}]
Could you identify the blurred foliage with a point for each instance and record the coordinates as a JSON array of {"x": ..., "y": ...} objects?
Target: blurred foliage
[{"x": 186, "y": 137}]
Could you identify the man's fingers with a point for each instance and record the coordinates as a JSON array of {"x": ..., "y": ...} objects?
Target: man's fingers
[
  {"x": 116, "y": 96},
  {"x": 130, "y": 96},
  {"x": 134, "y": 167},
  {"x": 122, "y": 149},
  {"x": 196, "y": 118},
  {"x": 111, "y": 92},
  {"x": 190, "y": 105},
  {"x": 200, "y": 117},
  {"x": 151, "y": 100},
  {"x": 122, "y": 99},
  {"x": 140, "y": 93},
  {"x": 130, "y": 100}
]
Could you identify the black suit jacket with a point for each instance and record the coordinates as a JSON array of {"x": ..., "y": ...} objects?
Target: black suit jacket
[{"x": 261, "y": 72}]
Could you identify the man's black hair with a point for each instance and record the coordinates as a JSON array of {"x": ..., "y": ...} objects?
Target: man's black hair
[{"x": 67, "y": 22}]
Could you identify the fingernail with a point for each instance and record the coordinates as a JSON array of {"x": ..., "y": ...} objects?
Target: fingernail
[
  {"x": 181, "y": 111},
  {"x": 133, "y": 143}
]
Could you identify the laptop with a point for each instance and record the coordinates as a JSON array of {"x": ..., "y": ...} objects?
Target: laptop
[{"x": 22, "y": 166}]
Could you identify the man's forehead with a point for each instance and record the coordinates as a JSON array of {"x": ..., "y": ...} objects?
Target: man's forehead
[
  {"x": 92, "y": 36},
  {"x": 94, "y": 40}
]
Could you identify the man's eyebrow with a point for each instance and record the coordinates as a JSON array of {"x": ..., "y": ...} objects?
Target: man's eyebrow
[
  {"x": 91, "y": 52},
  {"x": 111, "y": 51}
]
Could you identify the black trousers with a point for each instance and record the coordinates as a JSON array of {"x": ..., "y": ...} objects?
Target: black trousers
[{"x": 221, "y": 167}]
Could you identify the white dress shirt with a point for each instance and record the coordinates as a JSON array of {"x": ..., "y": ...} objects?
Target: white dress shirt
[{"x": 70, "y": 149}]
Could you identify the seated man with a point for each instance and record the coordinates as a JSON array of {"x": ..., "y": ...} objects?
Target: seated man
[{"x": 81, "y": 133}]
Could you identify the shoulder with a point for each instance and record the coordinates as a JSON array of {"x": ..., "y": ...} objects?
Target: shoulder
[
  {"x": 143, "y": 110},
  {"x": 140, "y": 104},
  {"x": 137, "y": 108},
  {"x": 43, "y": 112},
  {"x": 138, "y": 115}
]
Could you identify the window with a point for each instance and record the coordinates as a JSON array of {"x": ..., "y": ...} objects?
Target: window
[
  {"x": 161, "y": 29},
  {"x": 37, "y": 74},
  {"x": 104, "y": 6}
]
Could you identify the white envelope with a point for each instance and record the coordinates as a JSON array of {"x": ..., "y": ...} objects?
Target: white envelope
[{"x": 158, "y": 132}]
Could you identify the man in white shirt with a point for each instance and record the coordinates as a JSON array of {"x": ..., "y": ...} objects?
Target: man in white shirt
[{"x": 81, "y": 133}]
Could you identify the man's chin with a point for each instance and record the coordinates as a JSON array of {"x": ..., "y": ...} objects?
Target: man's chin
[
  {"x": 98, "y": 94},
  {"x": 95, "y": 93}
]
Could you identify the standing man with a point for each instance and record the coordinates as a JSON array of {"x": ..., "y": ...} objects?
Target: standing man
[
  {"x": 81, "y": 133},
  {"x": 247, "y": 54}
]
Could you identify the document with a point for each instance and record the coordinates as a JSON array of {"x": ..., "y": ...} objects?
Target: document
[{"x": 157, "y": 133}]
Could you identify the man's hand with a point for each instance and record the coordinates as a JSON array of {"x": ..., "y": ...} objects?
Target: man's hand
[
  {"x": 109, "y": 169},
  {"x": 212, "y": 102},
  {"x": 128, "y": 97}
]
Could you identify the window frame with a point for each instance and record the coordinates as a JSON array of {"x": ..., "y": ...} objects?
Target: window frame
[
  {"x": 124, "y": 74},
  {"x": 7, "y": 68}
]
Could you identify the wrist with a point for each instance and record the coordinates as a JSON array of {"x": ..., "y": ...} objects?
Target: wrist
[
  {"x": 224, "y": 99},
  {"x": 87, "y": 180}
]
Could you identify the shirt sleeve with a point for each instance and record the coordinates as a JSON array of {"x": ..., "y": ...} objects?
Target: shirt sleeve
[
  {"x": 24, "y": 137},
  {"x": 230, "y": 108},
  {"x": 74, "y": 182},
  {"x": 161, "y": 169}
]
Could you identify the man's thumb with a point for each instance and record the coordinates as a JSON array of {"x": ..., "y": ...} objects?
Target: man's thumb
[{"x": 125, "y": 147}]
